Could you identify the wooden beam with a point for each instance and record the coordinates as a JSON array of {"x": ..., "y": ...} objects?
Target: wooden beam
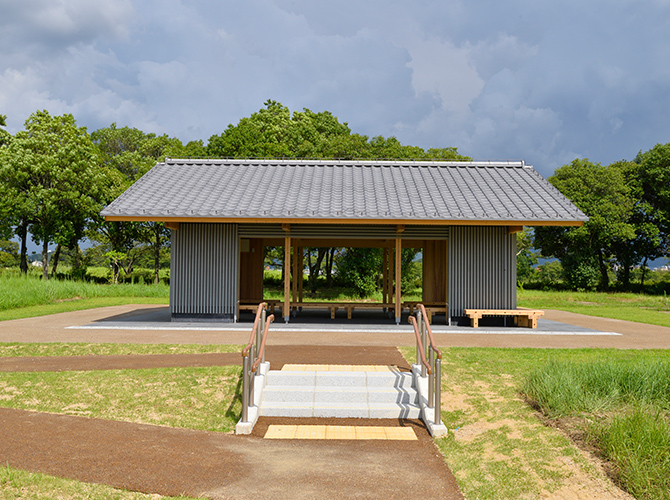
[
  {"x": 172, "y": 225},
  {"x": 398, "y": 278},
  {"x": 287, "y": 278},
  {"x": 286, "y": 227},
  {"x": 277, "y": 220},
  {"x": 400, "y": 228},
  {"x": 514, "y": 229}
]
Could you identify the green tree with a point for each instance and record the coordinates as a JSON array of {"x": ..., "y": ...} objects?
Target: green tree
[
  {"x": 132, "y": 153},
  {"x": 51, "y": 180},
  {"x": 586, "y": 252},
  {"x": 9, "y": 253},
  {"x": 526, "y": 256}
]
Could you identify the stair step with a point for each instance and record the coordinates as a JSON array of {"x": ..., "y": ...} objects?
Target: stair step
[
  {"x": 369, "y": 394},
  {"x": 339, "y": 410},
  {"x": 339, "y": 394}
]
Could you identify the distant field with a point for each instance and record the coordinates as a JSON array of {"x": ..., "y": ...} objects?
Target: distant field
[
  {"x": 650, "y": 309},
  {"x": 27, "y": 296}
]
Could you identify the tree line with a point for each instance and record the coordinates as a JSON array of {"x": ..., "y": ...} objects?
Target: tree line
[
  {"x": 55, "y": 177},
  {"x": 628, "y": 204}
]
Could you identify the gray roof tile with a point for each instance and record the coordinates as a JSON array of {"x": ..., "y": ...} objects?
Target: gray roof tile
[{"x": 357, "y": 190}]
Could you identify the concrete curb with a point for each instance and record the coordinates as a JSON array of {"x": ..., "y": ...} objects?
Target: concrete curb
[
  {"x": 427, "y": 414},
  {"x": 259, "y": 386}
]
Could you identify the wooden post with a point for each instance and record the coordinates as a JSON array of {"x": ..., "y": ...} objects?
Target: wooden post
[
  {"x": 398, "y": 277},
  {"x": 301, "y": 267},
  {"x": 385, "y": 266},
  {"x": 390, "y": 276},
  {"x": 294, "y": 275},
  {"x": 287, "y": 278}
]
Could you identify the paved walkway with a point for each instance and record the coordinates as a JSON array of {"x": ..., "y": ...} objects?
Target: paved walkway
[{"x": 75, "y": 327}]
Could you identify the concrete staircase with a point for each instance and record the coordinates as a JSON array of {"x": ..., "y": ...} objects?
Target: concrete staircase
[{"x": 332, "y": 393}]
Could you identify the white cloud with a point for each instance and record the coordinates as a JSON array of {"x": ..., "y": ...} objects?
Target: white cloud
[{"x": 544, "y": 82}]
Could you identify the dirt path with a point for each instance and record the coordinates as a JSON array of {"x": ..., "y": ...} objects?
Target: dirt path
[{"x": 169, "y": 461}]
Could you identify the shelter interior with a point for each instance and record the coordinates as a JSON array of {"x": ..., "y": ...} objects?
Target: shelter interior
[{"x": 434, "y": 274}]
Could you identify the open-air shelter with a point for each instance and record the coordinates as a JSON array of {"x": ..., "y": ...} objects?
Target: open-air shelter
[{"x": 222, "y": 213}]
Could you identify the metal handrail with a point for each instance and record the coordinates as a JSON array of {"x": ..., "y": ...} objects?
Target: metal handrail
[
  {"x": 254, "y": 352},
  {"x": 259, "y": 311},
  {"x": 261, "y": 349},
  {"x": 432, "y": 368},
  {"x": 429, "y": 330},
  {"x": 419, "y": 344}
]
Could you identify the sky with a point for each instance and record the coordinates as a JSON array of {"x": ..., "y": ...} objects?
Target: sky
[{"x": 542, "y": 81}]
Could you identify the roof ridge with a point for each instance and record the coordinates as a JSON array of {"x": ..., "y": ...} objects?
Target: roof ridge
[{"x": 361, "y": 162}]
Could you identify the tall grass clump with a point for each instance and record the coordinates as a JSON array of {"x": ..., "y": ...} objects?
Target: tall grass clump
[
  {"x": 624, "y": 409},
  {"x": 22, "y": 291}
]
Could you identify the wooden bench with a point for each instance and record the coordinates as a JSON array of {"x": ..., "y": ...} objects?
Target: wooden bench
[
  {"x": 248, "y": 306},
  {"x": 522, "y": 317},
  {"x": 431, "y": 308},
  {"x": 333, "y": 307}
]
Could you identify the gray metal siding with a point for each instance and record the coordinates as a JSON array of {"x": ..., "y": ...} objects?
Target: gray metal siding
[
  {"x": 204, "y": 271},
  {"x": 343, "y": 231},
  {"x": 482, "y": 269}
]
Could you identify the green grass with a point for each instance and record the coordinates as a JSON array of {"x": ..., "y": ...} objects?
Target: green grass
[
  {"x": 623, "y": 405},
  {"x": 497, "y": 447},
  {"x": 25, "y": 291},
  {"x": 17, "y": 484},
  {"x": 10, "y": 349},
  {"x": 29, "y": 296},
  {"x": 650, "y": 309},
  {"x": 193, "y": 398}
]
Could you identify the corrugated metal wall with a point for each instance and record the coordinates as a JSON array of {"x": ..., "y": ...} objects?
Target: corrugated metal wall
[
  {"x": 482, "y": 269},
  {"x": 342, "y": 231},
  {"x": 204, "y": 272}
]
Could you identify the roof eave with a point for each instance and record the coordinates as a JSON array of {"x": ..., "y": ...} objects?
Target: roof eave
[{"x": 351, "y": 221}]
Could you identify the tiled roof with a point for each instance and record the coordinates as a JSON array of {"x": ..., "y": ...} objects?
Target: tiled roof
[{"x": 418, "y": 192}]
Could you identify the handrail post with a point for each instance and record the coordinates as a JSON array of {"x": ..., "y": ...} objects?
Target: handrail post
[
  {"x": 431, "y": 382},
  {"x": 245, "y": 389},
  {"x": 438, "y": 391},
  {"x": 261, "y": 329},
  {"x": 422, "y": 327},
  {"x": 419, "y": 320}
]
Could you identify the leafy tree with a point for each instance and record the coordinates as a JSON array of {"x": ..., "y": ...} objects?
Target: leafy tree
[
  {"x": 5, "y": 136},
  {"x": 9, "y": 253},
  {"x": 586, "y": 252},
  {"x": 526, "y": 256},
  {"x": 51, "y": 182},
  {"x": 131, "y": 153}
]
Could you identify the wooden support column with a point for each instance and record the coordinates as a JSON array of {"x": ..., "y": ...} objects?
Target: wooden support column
[
  {"x": 398, "y": 278},
  {"x": 287, "y": 278},
  {"x": 390, "y": 276},
  {"x": 294, "y": 274},
  {"x": 301, "y": 276},
  {"x": 385, "y": 266}
]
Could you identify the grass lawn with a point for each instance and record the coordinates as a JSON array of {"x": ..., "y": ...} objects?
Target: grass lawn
[
  {"x": 19, "y": 484},
  {"x": 497, "y": 446},
  {"x": 650, "y": 309}
]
